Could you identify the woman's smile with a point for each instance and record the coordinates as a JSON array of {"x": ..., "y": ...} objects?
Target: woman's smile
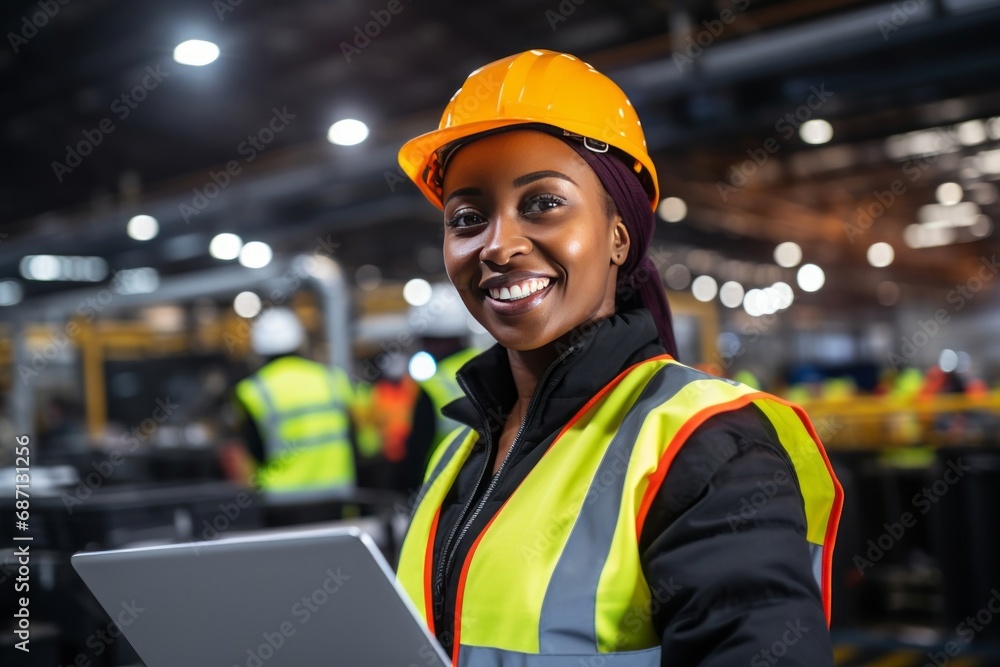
[{"x": 530, "y": 242}]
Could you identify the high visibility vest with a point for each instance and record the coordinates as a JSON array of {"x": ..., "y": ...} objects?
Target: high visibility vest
[
  {"x": 300, "y": 408},
  {"x": 366, "y": 428},
  {"x": 442, "y": 388},
  {"x": 555, "y": 578}
]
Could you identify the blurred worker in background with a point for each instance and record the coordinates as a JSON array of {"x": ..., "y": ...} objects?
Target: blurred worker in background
[
  {"x": 383, "y": 413},
  {"x": 443, "y": 325},
  {"x": 588, "y": 510},
  {"x": 297, "y": 423}
]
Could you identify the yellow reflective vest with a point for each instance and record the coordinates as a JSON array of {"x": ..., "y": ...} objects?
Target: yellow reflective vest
[
  {"x": 555, "y": 579},
  {"x": 442, "y": 388},
  {"x": 301, "y": 409}
]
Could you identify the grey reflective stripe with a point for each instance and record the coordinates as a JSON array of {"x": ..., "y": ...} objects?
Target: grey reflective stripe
[
  {"x": 567, "y": 622},
  {"x": 271, "y": 419},
  {"x": 272, "y": 440},
  {"x": 329, "y": 438},
  {"x": 316, "y": 409},
  {"x": 453, "y": 446},
  {"x": 482, "y": 656},
  {"x": 816, "y": 552}
]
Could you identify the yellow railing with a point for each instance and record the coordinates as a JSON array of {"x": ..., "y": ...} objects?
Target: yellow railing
[{"x": 887, "y": 421}]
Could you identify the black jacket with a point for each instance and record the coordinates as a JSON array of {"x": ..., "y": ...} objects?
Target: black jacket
[{"x": 725, "y": 593}]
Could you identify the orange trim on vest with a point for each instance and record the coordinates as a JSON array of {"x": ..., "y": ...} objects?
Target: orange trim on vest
[
  {"x": 657, "y": 478},
  {"x": 596, "y": 397},
  {"x": 429, "y": 573},
  {"x": 460, "y": 595},
  {"x": 830, "y": 540}
]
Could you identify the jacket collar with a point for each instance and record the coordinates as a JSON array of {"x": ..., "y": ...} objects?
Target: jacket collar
[{"x": 591, "y": 359}]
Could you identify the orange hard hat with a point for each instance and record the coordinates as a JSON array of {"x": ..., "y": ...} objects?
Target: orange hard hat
[{"x": 535, "y": 87}]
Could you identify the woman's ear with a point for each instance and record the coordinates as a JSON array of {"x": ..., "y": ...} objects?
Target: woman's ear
[{"x": 619, "y": 242}]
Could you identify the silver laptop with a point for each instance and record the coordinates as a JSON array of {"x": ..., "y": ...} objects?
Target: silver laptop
[{"x": 291, "y": 599}]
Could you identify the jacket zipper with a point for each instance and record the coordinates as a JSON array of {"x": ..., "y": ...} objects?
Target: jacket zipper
[{"x": 447, "y": 559}]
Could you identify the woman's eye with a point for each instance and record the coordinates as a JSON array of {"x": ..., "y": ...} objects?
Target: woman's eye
[
  {"x": 465, "y": 219},
  {"x": 542, "y": 204}
]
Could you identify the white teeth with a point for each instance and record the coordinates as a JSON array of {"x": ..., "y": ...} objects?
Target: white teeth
[{"x": 519, "y": 290}]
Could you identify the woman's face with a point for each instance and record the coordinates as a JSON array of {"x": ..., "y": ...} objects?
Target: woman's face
[{"x": 529, "y": 241}]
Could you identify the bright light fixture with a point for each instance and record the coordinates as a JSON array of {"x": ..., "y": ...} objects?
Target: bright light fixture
[
  {"x": 731, "y": 294},
  {"x": 417, "y": 292},
  {"x": 810, "y": 277},
  {"x": 196, "y": 52},
  {"x": 143, "y": 227},
  {"x": 816, "y": 131},
  {"x": 422, "y": 366},
  {"x": 256, "y": 255},
  {"x": 247, "y": 304},
  {"x": 347, "y": 132},
  {"x": 10, "y": 292},
  {"x": 672, "y": 209},
  {"x": 949, "y": 194},
  {"x": 225, "y": 246},
  {"x": 788, "y": 254},
  {"x": 704, "y": 288},
  {"x": 880, "y": 254}
]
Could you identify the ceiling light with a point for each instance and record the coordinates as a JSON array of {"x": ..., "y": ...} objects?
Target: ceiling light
[
  {"x": 816, "y": 131},
  {"x": 422, "y": 366},
  {"x": 347, "y": 132},
  {"x": 785, "y": 294},
  {"x": 225, "y": 246},
  {"x": 880, "y": 254},
  {"x": 247, "y": 305},
  {"x": 788, "y": 254},
  {"x": 755, "y": 303},
  {"x": 60, "y": 267},
  {"x": 948, "y": 360},
  {"x": 672, "y": 209},
  {"x": 196, "y": 52},
  {"x": 949, "y": 193},
  {"x": 417, "y": 292},
  {"x": 10, "y": 292},
  {"x": 143, "y": 227},
  {"x": 256, "y": 255},
  {"x": 810, "y": 277},
  {"x": 704, "y": 288},
  {"x": 731, "y": 294}
]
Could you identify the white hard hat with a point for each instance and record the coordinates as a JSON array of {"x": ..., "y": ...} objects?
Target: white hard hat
[
  {"x": 444, "y": 316},
  {"x": 276, "y": 331}
]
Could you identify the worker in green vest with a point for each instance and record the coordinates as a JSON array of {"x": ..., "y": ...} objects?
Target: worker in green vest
[
  {"x": 297, "y": 424},
  {"x": 602, "y": 503},
  {"x": 443, "y": 327}
]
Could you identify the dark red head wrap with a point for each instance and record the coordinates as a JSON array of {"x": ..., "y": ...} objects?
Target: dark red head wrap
[{"x": 639, "y": 282}]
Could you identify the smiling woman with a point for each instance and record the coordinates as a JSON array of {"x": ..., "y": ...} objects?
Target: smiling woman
[{"x": 590, "y": 510}]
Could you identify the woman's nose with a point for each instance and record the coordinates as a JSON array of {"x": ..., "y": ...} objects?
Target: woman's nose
[{"x": 505, "y": 238}]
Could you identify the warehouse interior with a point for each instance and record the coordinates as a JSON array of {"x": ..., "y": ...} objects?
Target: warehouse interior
[{"x": 829, "y": 173}]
